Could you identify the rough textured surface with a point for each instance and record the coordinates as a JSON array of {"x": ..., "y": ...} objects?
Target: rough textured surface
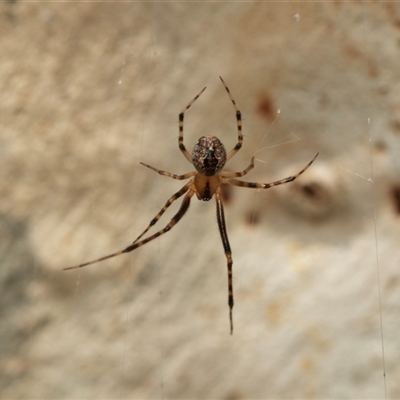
[{"x": 89, "y": 90}]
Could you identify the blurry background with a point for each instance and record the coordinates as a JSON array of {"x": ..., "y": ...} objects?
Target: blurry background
[{"x": 88, "y": 90}]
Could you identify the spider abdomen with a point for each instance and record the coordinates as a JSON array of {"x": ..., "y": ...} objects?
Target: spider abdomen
[{"x": 209, "y": 155}]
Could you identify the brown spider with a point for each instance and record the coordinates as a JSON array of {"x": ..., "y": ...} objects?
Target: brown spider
[{"x": 209, "y": 158}]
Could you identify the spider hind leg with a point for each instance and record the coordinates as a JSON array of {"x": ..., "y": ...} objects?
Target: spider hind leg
[
  {"x": 175, "y": 219},
  {"x": 228, "y": 253}
]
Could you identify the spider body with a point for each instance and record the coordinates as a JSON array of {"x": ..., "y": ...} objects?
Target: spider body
[
  {"x": 206, "y": 186},
  {"x": 209, "y": 155},
  {"x": 208, "y": 158}
]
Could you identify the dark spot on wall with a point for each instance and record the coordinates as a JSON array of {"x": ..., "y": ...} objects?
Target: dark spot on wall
[
  {"x": 266, "y": 108},
  {"x": 395, "y": 123},
  {"x": 393, "y": 14},
  {"x": 252, "y": 217},
  {"x": 227, "y": 193},
  {"x": 312, "y": 190},
  {"x": 233, "y": 396},
  {"x": 352, "y": 53},
  {"x": 380, "y": 146},
  {"x": 396, "y": 198}
]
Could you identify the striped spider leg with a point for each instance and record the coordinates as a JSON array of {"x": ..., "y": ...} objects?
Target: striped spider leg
[{"x": 208, "y": 158}]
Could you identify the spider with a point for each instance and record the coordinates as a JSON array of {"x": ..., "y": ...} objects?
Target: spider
[{"x": 208, "y": 158}]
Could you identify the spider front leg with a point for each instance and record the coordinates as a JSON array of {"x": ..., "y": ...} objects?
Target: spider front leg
[
  {"x": 257, "y": 185},
  {"x": 238, "y": 122},
  {"x": 227, "y": 249},
  {"x": 169, "y": 174},
  {"x": 182, "y": 147},
  {"x": 229, "y": 174}
]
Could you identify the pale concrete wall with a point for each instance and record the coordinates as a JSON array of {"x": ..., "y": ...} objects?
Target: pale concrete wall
[{"x": 88, "y": 90}]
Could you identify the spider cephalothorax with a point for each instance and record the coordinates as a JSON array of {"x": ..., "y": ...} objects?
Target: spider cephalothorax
[
  {"x": 209, "y": 155},
  {"x": 209, "y": 158}
]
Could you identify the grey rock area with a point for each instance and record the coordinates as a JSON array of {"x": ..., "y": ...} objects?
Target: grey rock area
[{"x": 90, "y": 90}]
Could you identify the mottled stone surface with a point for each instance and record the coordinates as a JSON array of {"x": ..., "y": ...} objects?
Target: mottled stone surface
[{"x": 88, "y": 90}]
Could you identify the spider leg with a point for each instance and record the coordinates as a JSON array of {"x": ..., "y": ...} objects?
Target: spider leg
[
  {"x": 229, "y": 174},
  {"x": 239, "y": 123},
  {"x": 169, "y": 174},
  {"x": 181, "y": 115},
  {"x": 162, "y": 211},
  {"x": 257, "y": 185},
  {"x": 227, "y": 249},
  {"x": 175, "y": 219}
]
